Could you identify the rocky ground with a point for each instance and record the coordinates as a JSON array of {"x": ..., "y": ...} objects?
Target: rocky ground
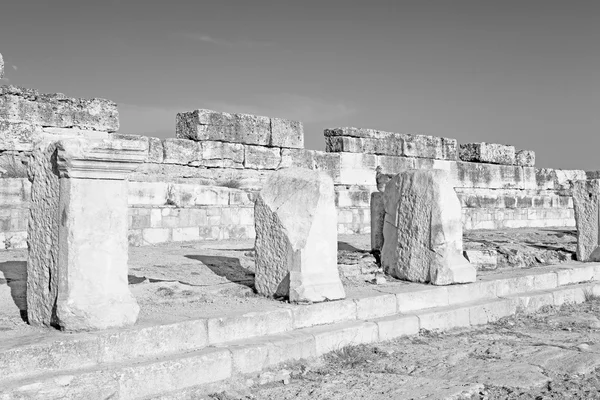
[{"x": 553, "y": 354}]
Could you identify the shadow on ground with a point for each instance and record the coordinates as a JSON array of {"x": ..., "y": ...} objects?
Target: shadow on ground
[
  {"x": 15, "y": 277},
  {"x": 228, "y": 267}
]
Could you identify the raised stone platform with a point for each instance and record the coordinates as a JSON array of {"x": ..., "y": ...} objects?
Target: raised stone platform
[{"x": 162, "y": 359}]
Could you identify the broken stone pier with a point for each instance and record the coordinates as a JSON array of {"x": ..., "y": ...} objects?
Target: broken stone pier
[
  {"x": 422, "y": 230},
  {"x": 586, "y": 197},
  {"x": 296, "y": 237},
  {"x": 78, "y": 249}
]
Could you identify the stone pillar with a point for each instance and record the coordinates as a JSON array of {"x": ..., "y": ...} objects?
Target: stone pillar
[
  {"x": 586, "y": 197},
  {"x": 78, "y": 250},
  {"x": 1, "y": 67},
  {"x": 296, "y": 237},
  {"x": 423, "y": 229},
  {"x": 377, "y": 218}
]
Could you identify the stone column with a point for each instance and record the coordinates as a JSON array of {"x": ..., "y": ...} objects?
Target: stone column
[
  {"x": 586, "y": 197},
  {"x": 1, "y": 67},
  {"x": 78, "y": 250}
]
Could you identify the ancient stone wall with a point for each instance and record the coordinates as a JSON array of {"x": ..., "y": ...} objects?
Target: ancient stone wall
[{"x": 200, "y": 185}]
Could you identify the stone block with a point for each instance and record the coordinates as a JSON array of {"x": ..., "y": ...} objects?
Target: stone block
[
  {"x": 482, "y": 259},
  {"x": 487, "y": 153},
  {"x": 287, "y": 133},
  {"x": 586, "y": 195},
  {"x": 1, "y": 67},
  {"x": 252, "y": 324},
  {"x": 488, "y": 311},
  {"x": 359, "y": 140},
  {"x": 396, "y": 326},
  {"x": 423, "y": 229},
  {"x": 444, "y": 318},
  {"x": 57, "y": 110},
  {"x": 422, "y": 298},
  {"x": 147, "y": 193},
  {"x": 85, "y": 283},
  {"x": 296, "y": 237},
  {"x": 525, "y": 158},
  {"x": 222, "y": 154},
  {"x": 181, "y": 151},
  {"x": 375, "y": 306},
  {"x": 156, "y": 152},
  {"x": 480, "y": 290},
  {"x": 329, "y": 338},
  {"x": 17, "y": 136},
  {"x": 575, "y": 274},
  {"x": 143, "y": 380},
  {"x": 323, "y": 313},
  {"x": 156, "y": 235},
  {"x": 297, "y": 158},
  {"x": 259, "y": 157},
  {"x": 491, "y": 176},
  {"x": 377, "y": 221},
  {"x": 185, "y": 234},
  {"x": 393, "y": 165},
  {"x": 356, "y": 169}
]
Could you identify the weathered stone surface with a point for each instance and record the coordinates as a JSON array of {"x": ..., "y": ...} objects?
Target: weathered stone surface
[
  {"x": 298, "y": 158},
  {"x": 42, "y": 233},
  {"x": 239, "y": 128},
  {"x": 377, "y": 221},
  {"x": 586, "y": 195},
  {"x": 77, "y": 268},
  {"x": 423, "y": 230},
  {"x": 296, "y": 237},
  {"x": 259, "y": 157},
  {"x": 17, "y": 136},
  {"x": 1, "y": 66},
  {"x": 287, "y": 133},
  {"x": 22, "y": 105},
  {"x": 182, "y": 151},
  {"x": 525, "y": 158},
  {"x": 222, "y": 154},
  {"x": 491, "y": 176},
  {"x": 487, "y": 153},
  {"x": 382, "y": 179},
  {"x": 359, "y": 140}
]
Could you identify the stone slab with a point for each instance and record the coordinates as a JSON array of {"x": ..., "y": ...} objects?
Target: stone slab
[
  {"x": 487, "y": 153},
  {"x": 200, "y": 125},
  {"x": 525, "y": 158},
  {"x": 586, "y": 202}
]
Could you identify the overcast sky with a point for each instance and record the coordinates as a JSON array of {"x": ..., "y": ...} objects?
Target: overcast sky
[{"x": 520, "y": 72}]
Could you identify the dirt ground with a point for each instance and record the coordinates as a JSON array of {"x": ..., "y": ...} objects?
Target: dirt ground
[
  {"x": 175, "y": 281},
  {"x": 553, "y": 354}
]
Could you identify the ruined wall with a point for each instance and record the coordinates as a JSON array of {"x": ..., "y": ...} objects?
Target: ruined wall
[{"x": 201, "y": 184}]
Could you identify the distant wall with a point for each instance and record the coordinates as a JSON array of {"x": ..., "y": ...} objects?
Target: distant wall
[{"x": 201, "y": 185}]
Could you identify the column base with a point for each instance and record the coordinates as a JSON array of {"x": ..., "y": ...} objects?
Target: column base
[{"x": 75, "y": 315}]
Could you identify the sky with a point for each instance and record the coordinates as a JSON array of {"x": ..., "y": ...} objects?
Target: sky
[{"x": 519, "y": 72}]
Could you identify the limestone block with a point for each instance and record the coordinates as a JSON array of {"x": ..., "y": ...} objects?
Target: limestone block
[
  {"x": 481, "y": 175},
  {"x": 77, "y": 267},
  {"x": 394, "y": 165},
  {"x": 356, "y": 169},
  {"x": 1, "y": 67},
  {"x": 156, "y": 153},
  {"x": 359, "y": 140},
  {"x": 222, "y": 154},
  {"x": 287, "y": 133},
  {"x": 296, "y": 237},
  {"x": 17, "y": 136},
  {"x": 487, "y": 153},
  {"x": 525, "y": 158},
  {"x": 425, "y": 146},
  {"x": 181, "y": 151},
  {"x": 391, "y": 145},
  {"x": 259, "y": 157},
  {"x": 56, "y": 110},
  {"x": 586, "y": 195},
  {"x": 377, "y": 218},
  {"x": 298, "y": 158},
  {"x": 218, "y": 126},
  {"x": 423, "y": 229}
]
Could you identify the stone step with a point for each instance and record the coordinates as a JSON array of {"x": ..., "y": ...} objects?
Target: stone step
[
  {"x": 168, "y": 376},
  {"x": 56, "y": 351}
]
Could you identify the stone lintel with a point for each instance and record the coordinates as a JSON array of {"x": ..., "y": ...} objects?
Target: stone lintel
[{"x": 99, "y": 158}]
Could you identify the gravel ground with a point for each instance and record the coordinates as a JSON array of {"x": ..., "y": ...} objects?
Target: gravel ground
[{"x": 553, "y": 354}]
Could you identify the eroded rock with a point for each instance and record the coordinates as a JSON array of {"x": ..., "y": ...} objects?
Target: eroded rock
[
  {"x": 586, "y": 194},
  {"x": 423, "y": 230},
  {"x": 296, "y": 237}
]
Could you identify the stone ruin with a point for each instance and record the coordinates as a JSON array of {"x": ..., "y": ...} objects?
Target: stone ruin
[{"x": 222, "y": 177}]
